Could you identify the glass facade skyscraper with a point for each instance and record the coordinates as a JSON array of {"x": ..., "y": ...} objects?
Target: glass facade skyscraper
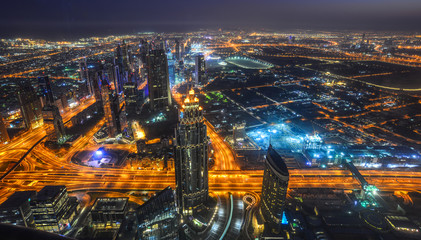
[
  {"x": 274, "y": 188},
  {"x": 158, "y": 80},
  {"x": 30, "y": 105},
  {"x": 191, "y": 159}
]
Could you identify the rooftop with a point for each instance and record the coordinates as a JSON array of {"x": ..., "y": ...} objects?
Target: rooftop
[
  {"x": 276, "y": 161},
  {"x": 17, "y": 199},
  {"x": 153, "y": 203},
  {"x": 110, "y": 204},
  {"x": 49, "y": 192},
  {"x": 248, "y": 63}
]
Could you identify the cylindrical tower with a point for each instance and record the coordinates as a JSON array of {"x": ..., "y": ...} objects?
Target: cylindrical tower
[{"x": 191, "y": 158}]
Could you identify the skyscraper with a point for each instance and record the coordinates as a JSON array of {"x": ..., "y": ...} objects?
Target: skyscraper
[
  {"x": 107, "y": 99},
  {"x": 122, "y": 57},
  {"x": 95, "y": 80},
  {"x": 159, "y": 43},
  {"x": 132, "y": 97},
  {"x": 143, "y": 50},
  {"x": 126, "y": 56},
  {"x": 117, "y": 77},
  {"x": 120, "y": 110},
  {"x": 4, "y": 136},
  {"x": 119, "y": 56},
  {"x": 84, "y": 76},
  {"x": 45, "y": 89},
  {"x": 200, "y": 70},
  {"x": 158, "y": 80},
  {"x": 158, "y": 216},
  {"x": 114, "y": 109},
  {"x": 274, "y": 188},
  {"x": 122, "y": 67},
  {"x": 171, "y": 70},
  {"x": 53, "y": 121},
  {"x": 30, "y": 105},
  {"x": 191, "y": 157},
  {"x": 50, "y": 112},
  {"x": 177, "y": 50}
]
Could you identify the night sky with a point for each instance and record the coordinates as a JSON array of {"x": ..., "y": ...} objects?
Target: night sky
[{"x": 57, "y": 19}]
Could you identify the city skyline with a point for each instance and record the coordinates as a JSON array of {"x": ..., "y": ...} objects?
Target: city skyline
[
  {"x": 229, "y": 120},
  {"x": 74, "y": 19}
]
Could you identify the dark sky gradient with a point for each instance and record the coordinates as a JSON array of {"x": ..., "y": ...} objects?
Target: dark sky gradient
[{"x": 75, "y": 18}]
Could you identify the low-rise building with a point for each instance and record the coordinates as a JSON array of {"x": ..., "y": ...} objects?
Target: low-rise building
[
  {"x": 53, "y": 209},
  {"x": 16, "y": 209},
  {"x": 109, "y": 212}
]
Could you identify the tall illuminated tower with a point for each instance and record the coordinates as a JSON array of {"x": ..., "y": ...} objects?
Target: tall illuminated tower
[
  {"x": 158, "y": 80},
  {"x": 132, "y": 97},
  {"x": 107, "y": 102},
  {"x": 119, "y": 57},
  {"x": 4, "y": 136},
  {"x": 200, "y": 69},
  {"x": 191, "y": 157},
  {"x": 53, "y": 122},
  {"x": 84, "y": 75},
  {"x": 178, "y": 52},
  {"x": 274, "y": 188},
  {"x": 46, "y": 90},
  {"x": 96, "y": 90},
  {"x": 121, "y": 67},
  {"x": 143, "y": 50},
  {"x": 50, "y": 112},
  {"x": 114, "y": 109},
  {"x": 126, "y": 57},
  {"x": 30, "y": 105}
]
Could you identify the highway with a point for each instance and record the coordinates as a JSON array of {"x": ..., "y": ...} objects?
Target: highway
[
  {"x": 223, "y": 155},
  {"x": 43, "y": 167},
  {"x": 219, "y": 181}
]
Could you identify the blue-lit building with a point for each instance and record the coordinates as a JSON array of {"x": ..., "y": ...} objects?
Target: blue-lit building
[
  {"x": 44, "y": 84},
  {"x": 364, "y": 156},
  {"x": 171, "y": 71}
]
